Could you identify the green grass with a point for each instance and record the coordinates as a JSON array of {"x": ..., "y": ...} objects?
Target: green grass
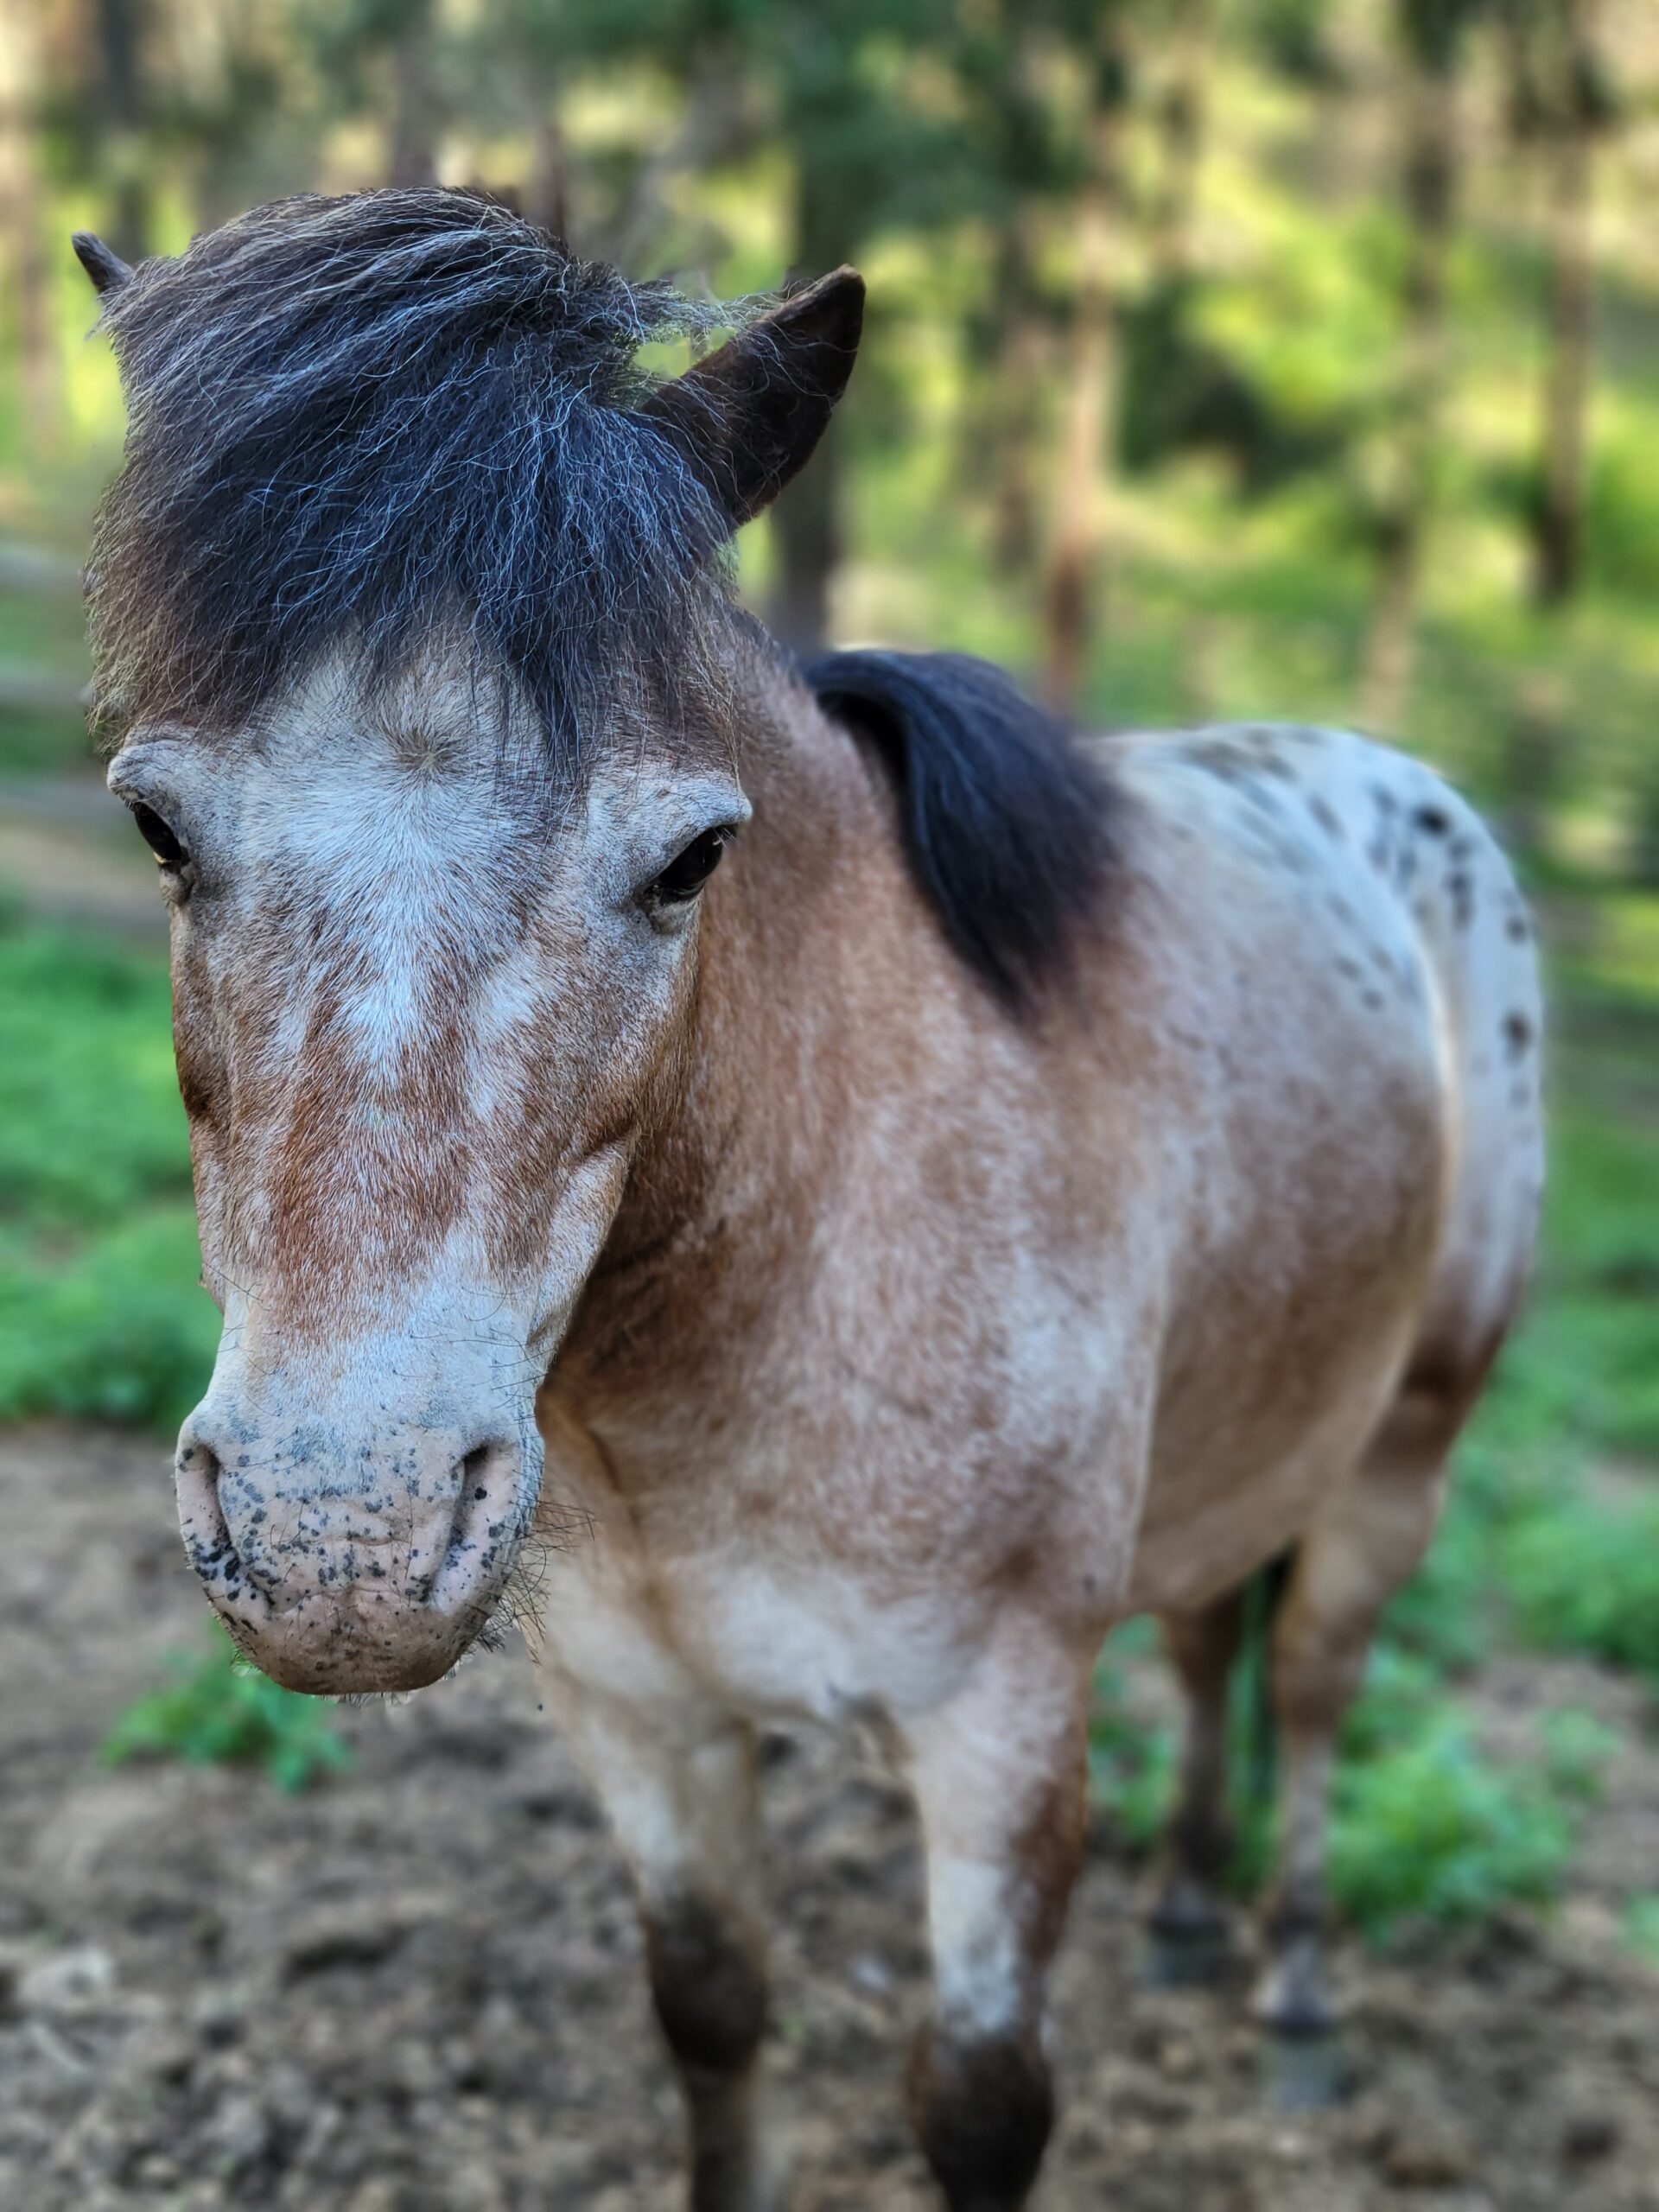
[
  {"x": 1582, "y": 1577},
  {"x": 1429, "y": 1827},
  {"x": 1642, "y": 1927},
  {"x": 218, "y": 1710},
  {"x": 99, "y": 1311}
]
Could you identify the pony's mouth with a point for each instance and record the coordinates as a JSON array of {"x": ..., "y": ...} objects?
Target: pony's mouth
[
  {"x": 374, "y": 1612},
  {"x": 358, "y": 1590}
]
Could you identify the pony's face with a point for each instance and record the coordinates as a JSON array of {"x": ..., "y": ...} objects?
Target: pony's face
[
  {"x": 424, "y": 1015},
  {"x": 405, "y": 545}
]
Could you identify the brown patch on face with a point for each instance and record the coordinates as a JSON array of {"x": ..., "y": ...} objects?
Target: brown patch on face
[{"x": 368, "y": 1168}]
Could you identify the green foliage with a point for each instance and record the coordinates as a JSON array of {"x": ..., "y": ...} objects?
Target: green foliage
[
  {"x": 91, "y": 1125},
  {"x": 1430, "y": 1828},
  {"x": 1623, "y": 523},
  {"x": 1642, "y": 1927},
  {"x": 115, "y": 1328},
  {"x": 1586, "y": 1578},
  {"x": 99, "y": 1311},
  {"x": 1523, "y": 1542},
  {"x": 220, "y": 1711},
  {"x": 1131, "y": 1765},
  {"x": 1445, "y": 1616},
  {"x": 1426, "y": 1825}
]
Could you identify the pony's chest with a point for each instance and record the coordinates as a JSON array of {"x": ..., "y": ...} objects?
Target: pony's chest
[{"x": 768, "y": 1637}]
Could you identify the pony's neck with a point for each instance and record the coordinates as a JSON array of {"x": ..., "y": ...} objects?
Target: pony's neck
[
  {"x": 775, "y": 1021},
  {"x": 804, "y": 939}
]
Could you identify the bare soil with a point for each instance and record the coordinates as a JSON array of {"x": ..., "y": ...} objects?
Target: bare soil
[{"x": 418, "y": 1987}]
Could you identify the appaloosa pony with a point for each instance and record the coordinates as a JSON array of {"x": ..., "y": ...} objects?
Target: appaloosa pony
[{"x": 881, "y": 1188}]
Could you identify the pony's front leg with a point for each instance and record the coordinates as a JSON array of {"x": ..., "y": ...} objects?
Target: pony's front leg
[
  {"x": 999, "y": 1776},
  {"x": 682, "y": 1801}
]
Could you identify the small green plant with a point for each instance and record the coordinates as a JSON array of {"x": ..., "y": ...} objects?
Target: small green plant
[
  {"x": 220, "y": 1709},
  {"x": 100, "y": 1310},
  {"x": 1432, "y": 1828},
  {"x": 1642, "y": 1927},
  {"x": 1584, "y": 1578},
  {"x": 1131, "y": 1764}
]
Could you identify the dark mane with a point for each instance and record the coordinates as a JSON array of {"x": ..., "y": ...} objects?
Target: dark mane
[
  {"x": 1007, "y": 824},
  {"x": 351, "y": 418}
]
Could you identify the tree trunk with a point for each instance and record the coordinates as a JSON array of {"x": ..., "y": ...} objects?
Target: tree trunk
[
  {"x": 547, "y": 188},
  {"x": 1404, "y": 520},
  {"x": 413, "y": 154},
  {"x": 806, "y": 521},
  {"x": 1019, "y": 382},
  {"x": 20, "y": 213},
  {"x": 121, "y": 153},
  {"x": 1181, "y": 122},
  {"x": 1075, "y": 547},
  {"x": 1000, "y": 434},
  {"x": 1558, "y": 527},
  {"x": 1536, "y": 755},
  {"x": 997, "y": 433},
  {"x": 807, "y": 542},
  {"x": 1071, "y": 575}
]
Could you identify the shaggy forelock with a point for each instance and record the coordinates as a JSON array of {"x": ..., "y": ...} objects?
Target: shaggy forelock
[{"x": 352, "y": 420}]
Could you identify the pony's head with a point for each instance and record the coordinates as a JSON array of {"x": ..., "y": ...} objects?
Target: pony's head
[{"x": 410, "y": 614}]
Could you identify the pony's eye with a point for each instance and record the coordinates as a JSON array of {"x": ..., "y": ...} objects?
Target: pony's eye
[
  {"x": 169, "y": 852},
  {"x": 686, "y": 874}
]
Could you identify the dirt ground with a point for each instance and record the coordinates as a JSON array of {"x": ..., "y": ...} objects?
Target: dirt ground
[{"x": 417, "y": 1988}]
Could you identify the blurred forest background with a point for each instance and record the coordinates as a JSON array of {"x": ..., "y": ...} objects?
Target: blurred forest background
[{"x": 1224, "y": 358}]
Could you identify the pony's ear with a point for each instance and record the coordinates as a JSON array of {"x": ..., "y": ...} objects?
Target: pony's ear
[
  {"x": 107, "y": 270},
  {"x": 747, "y": 418}
]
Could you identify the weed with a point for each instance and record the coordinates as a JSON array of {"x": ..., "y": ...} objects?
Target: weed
[
  {"x": 1584, "y": 1578},
  {"x": 1642, "y": 1927},
  {"x": 99, "y": 1311},
  {"x": 220, "y": 1710}
]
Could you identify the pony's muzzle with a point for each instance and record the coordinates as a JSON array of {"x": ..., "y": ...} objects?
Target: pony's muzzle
[{"x": 372, "y": 1576}]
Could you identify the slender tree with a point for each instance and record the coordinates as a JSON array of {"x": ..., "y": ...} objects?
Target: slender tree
[
  {"x": 1432, "y": 36},
  {"x": 120, "y": 27},
  {"x": 1181, "y": 114},
  {"x": 1071, "y": 573},
  {"x": 383, "y": 59},
  {"x": 20, "y": 212},
  {"x": 857, "y": 91},
  {"x": 1005, "y": 59},
  {"x": 1561, "y": 105},
  {"x": 416, "y": 117}
]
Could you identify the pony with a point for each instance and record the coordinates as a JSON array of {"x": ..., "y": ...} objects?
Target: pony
[{"x": 815, "y": 1187}]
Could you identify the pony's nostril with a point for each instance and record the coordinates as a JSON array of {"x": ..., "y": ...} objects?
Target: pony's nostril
[
  {"x": 201, "y": 1516},
  {"x": 485, "y": 1529},
  {"x": 201, "y": 1461}
]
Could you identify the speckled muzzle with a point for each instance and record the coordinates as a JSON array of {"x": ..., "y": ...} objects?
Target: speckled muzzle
[{"x": 351, "y": 1557}]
